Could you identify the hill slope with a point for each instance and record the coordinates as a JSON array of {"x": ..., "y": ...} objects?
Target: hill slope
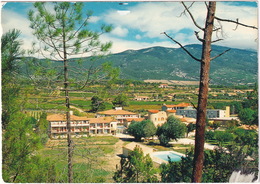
[{"x": 234, "y": 67}]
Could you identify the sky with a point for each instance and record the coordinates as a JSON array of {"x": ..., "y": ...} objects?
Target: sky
[{"x": 138, "y": 25}]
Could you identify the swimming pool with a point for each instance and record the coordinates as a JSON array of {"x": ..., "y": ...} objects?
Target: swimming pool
[{"x": 174, "y": 157}]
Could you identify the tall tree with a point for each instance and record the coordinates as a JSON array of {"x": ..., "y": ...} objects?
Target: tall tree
[
  {"x": 63, "y": 33},
  {"x": 205, "y": 59}
]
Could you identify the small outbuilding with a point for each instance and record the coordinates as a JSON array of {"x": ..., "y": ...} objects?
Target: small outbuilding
[{"x": 131, "y": 146}]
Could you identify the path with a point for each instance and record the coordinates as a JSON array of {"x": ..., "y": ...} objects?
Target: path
[
  {"x": 192, "y": 142},
  {"x": 78, "y": 109}
]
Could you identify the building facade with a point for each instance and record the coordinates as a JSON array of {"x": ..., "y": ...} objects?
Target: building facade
[
  {"x": 119, "y": 114},
  {"x": 80, "y": 126},
  {"x": 157, "y": 117},
  {"x": 211, "y": 113}
]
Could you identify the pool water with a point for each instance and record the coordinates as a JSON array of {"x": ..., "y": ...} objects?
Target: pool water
[{"x": 165, "y": 156}]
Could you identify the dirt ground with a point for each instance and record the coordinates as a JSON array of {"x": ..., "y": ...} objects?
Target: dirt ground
[{"x": 114, "y": 159}]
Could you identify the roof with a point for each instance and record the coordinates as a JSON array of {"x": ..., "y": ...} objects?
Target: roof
[
  {"x": 164, "y": 84},
  {"x": 188, "y": 120},
  {"x": 172, "y": 111},
  {"x": 101, "y": 120},
  {"x": 153, "y": 111},
  {"x": 131, "y": 146},
  {"x": 133, "y": 119},
  {"x": 62, "y": 117},
  {"x": 178, "y": 105},
  {"x": 116, "y": 112},
  {"x": 142, "y": 97}
]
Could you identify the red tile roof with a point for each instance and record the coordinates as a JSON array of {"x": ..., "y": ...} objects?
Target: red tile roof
[
  {"x": 133, "y": 119},
  {"x": 62, "y": 117},
  {"x": 179, "y": 105},
  {"x": 153, "y": 111},
  {"x": 101, "y": 120},
  {"x": 172, "y": 111},
  {"x": 116, "y": 112}
]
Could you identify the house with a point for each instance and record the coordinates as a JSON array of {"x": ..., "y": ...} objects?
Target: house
[
  {"x": 118, "y": 113},
  {"x": 131, "y": 146},
  {"x": 175, "y": 107},
  {"x": 211, "y": 113},
  {"x": 80, "y": 125},
  {"x": 102, "y": 125},
  {"x": 141, "y": 98},
  {"x": 157, "y": 117},
  {"x": 163, "y": 86}
]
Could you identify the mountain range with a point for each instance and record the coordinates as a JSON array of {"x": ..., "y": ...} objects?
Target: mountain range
[
  {"x": 235, "y": 67},
  {"x": 232, "y": 68}
]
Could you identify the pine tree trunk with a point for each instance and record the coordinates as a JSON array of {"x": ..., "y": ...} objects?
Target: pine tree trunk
[
  {"x": 66, "y": 85},
  {"x": 203, "y": 96}
]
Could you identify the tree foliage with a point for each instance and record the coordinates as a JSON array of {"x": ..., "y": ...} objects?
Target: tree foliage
[
  {"x": 172, "y": 129},
  {"x": 247, "y": 116},
  {"x": 97, "y": 104},
  {"x": 120, "y": 101},
  {"x": 141, "y": 129},
  {"x": 136, "y": 168},
  {"x": 218, "y": 166},
  {"x": 10, "y": 54},
  {"x": 20, "y": 161}
]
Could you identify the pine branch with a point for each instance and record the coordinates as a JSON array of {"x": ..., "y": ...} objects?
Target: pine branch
[
  {"x": 193, "y": 57},
  {"x": 235, "y": 22},
  {"x": 191, "y": 16},
  {"x": 219, "y": 54}
]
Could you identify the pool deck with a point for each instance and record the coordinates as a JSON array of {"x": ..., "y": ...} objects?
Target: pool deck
[{"x": 160, "y": 161}]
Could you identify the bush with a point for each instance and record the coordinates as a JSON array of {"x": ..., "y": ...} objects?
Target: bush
[{"x": 209, "y": 135}]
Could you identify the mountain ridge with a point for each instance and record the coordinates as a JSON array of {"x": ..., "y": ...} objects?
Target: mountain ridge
[{"x": 235, "y": 67}]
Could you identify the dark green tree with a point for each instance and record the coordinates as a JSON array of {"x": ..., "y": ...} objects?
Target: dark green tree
[
  {"x": 136, "y": 168},
  {"x": 63, "y": 33},
  {"x": 11, "y": 53},
  {"x": 223, "y": 137},
  {"x": 248, "y": 116},
  {"x": 177, "y": 172},
  {"x": 120, "y": 100},
  {"x": 20, "y": 161},
  {"x": 42, "y": 127},
  {"x": 218, "y": 166},
  {"x": 141, "y": 129},
  {"x": 172, "y": 129},
  {"x": 149, "y": 129},
  {"x": 97, "y": 104}
]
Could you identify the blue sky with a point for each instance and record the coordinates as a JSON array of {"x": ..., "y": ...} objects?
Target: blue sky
[{"x": 139, "y": 24}]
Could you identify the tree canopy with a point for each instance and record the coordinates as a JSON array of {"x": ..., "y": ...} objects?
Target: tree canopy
[
  {"x": 172, "y": 129},
  {"x": 141, "y": 129}
]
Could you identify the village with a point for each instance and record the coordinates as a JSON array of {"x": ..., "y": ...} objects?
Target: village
[
  {"x": 98, "y": 93},
  {"x": 117, "y": 120}
]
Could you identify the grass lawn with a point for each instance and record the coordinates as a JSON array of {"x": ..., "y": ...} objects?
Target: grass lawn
[{"x": 90, "y": 158}]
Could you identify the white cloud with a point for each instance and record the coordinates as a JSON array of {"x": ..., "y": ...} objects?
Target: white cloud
[
  {"x": 12, "y": 20},
  {"x": 155, "y": 17},
  {"x": 94, "y": 19},
  {"x": 120, "y": 45},
  {"x": 119, "y": 31},
  {"x": 149, "y": 19},
  {"x": 138, "y": 37}
]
